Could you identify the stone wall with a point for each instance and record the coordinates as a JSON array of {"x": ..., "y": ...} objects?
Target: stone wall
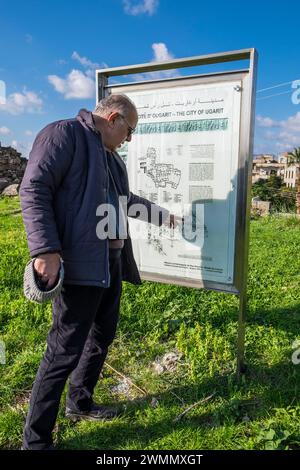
[
  {"x": 260, "y": 207},
  {"x": 12, "y": 167}
]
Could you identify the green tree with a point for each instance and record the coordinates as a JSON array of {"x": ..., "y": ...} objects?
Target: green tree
[
  {"x": 272, "y": 190},
  {"x": 294, "y": 159},
  {"x": 274, "y": 182}
]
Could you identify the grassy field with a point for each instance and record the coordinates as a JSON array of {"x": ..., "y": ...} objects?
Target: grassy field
[{"x": 262, "y": 411}]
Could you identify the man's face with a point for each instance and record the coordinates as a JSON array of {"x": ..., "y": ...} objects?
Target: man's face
[{"x": 120, "y": 128}]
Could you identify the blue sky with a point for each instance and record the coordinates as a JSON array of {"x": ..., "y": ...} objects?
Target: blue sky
[{"x": 49, "y": 51}]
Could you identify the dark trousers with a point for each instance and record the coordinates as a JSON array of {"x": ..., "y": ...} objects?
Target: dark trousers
[{"x": 84, "y": 325}]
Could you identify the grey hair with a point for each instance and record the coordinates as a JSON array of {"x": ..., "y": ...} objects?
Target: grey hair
[{"x": 114, "y": 103}]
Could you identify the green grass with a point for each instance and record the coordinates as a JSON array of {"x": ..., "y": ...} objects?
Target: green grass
[{"x": 261, "y": 411}]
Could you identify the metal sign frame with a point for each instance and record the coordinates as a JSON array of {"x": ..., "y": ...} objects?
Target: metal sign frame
[{"x": 248, "y": 80}]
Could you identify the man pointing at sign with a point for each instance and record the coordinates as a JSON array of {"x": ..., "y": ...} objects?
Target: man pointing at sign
[{"x": 73, "y": 171}]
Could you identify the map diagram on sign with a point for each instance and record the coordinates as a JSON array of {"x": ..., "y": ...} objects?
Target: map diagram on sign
[
  {"x": 157, "y": 237},
  {"x": 161, "y": 173}
]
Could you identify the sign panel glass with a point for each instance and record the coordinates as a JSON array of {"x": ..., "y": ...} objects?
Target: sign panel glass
[{"x": 184, "y": 156}]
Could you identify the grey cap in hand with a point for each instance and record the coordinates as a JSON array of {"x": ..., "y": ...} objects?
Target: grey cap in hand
[{"x": 32, "y": 287}]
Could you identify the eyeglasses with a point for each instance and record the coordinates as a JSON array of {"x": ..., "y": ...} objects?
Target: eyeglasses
[{"x": 131, "y": 130}]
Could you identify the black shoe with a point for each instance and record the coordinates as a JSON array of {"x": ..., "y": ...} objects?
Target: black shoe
[{"x": 96, "y": 413}]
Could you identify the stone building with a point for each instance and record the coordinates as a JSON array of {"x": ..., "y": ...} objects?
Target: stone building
[
  {"x": 264, "y": 166},
  {"x": 291, "y": 176}
]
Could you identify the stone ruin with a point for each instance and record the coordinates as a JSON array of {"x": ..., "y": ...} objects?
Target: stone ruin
[{"x": 12, "y": 168}]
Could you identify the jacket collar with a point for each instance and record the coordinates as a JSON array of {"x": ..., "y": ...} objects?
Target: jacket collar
[{"x": 85, "y": 118}]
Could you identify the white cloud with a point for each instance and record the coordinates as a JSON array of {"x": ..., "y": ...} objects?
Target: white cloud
[
  {"x": 160, "y": 54},
  {"x": 285, "y": 134},
  {"x": 292, "y": 124},
  {"x": 76, "y": 85},
  {"x": 287, "y": 140},
  {"x": 139, "y": 8},
  {"x": 4, "y": 130},
  {"x": 84, "y": 61},
  {"x": 2, "y": 92},
  {"x": 266, "y": 122},
  {"x": 25, "y": 102},
  {"x": 24, "y": 148},
  {"x": 88, "y": 64},
  {"x": 28, "y": 132},
  {"x": 269, "y": 135}
]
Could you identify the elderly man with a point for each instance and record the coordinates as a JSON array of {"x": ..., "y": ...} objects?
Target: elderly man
[{"x": 73, "y": 169}]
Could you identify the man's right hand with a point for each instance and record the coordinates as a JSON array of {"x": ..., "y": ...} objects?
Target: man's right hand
[{"x": 47, "y": 266}]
